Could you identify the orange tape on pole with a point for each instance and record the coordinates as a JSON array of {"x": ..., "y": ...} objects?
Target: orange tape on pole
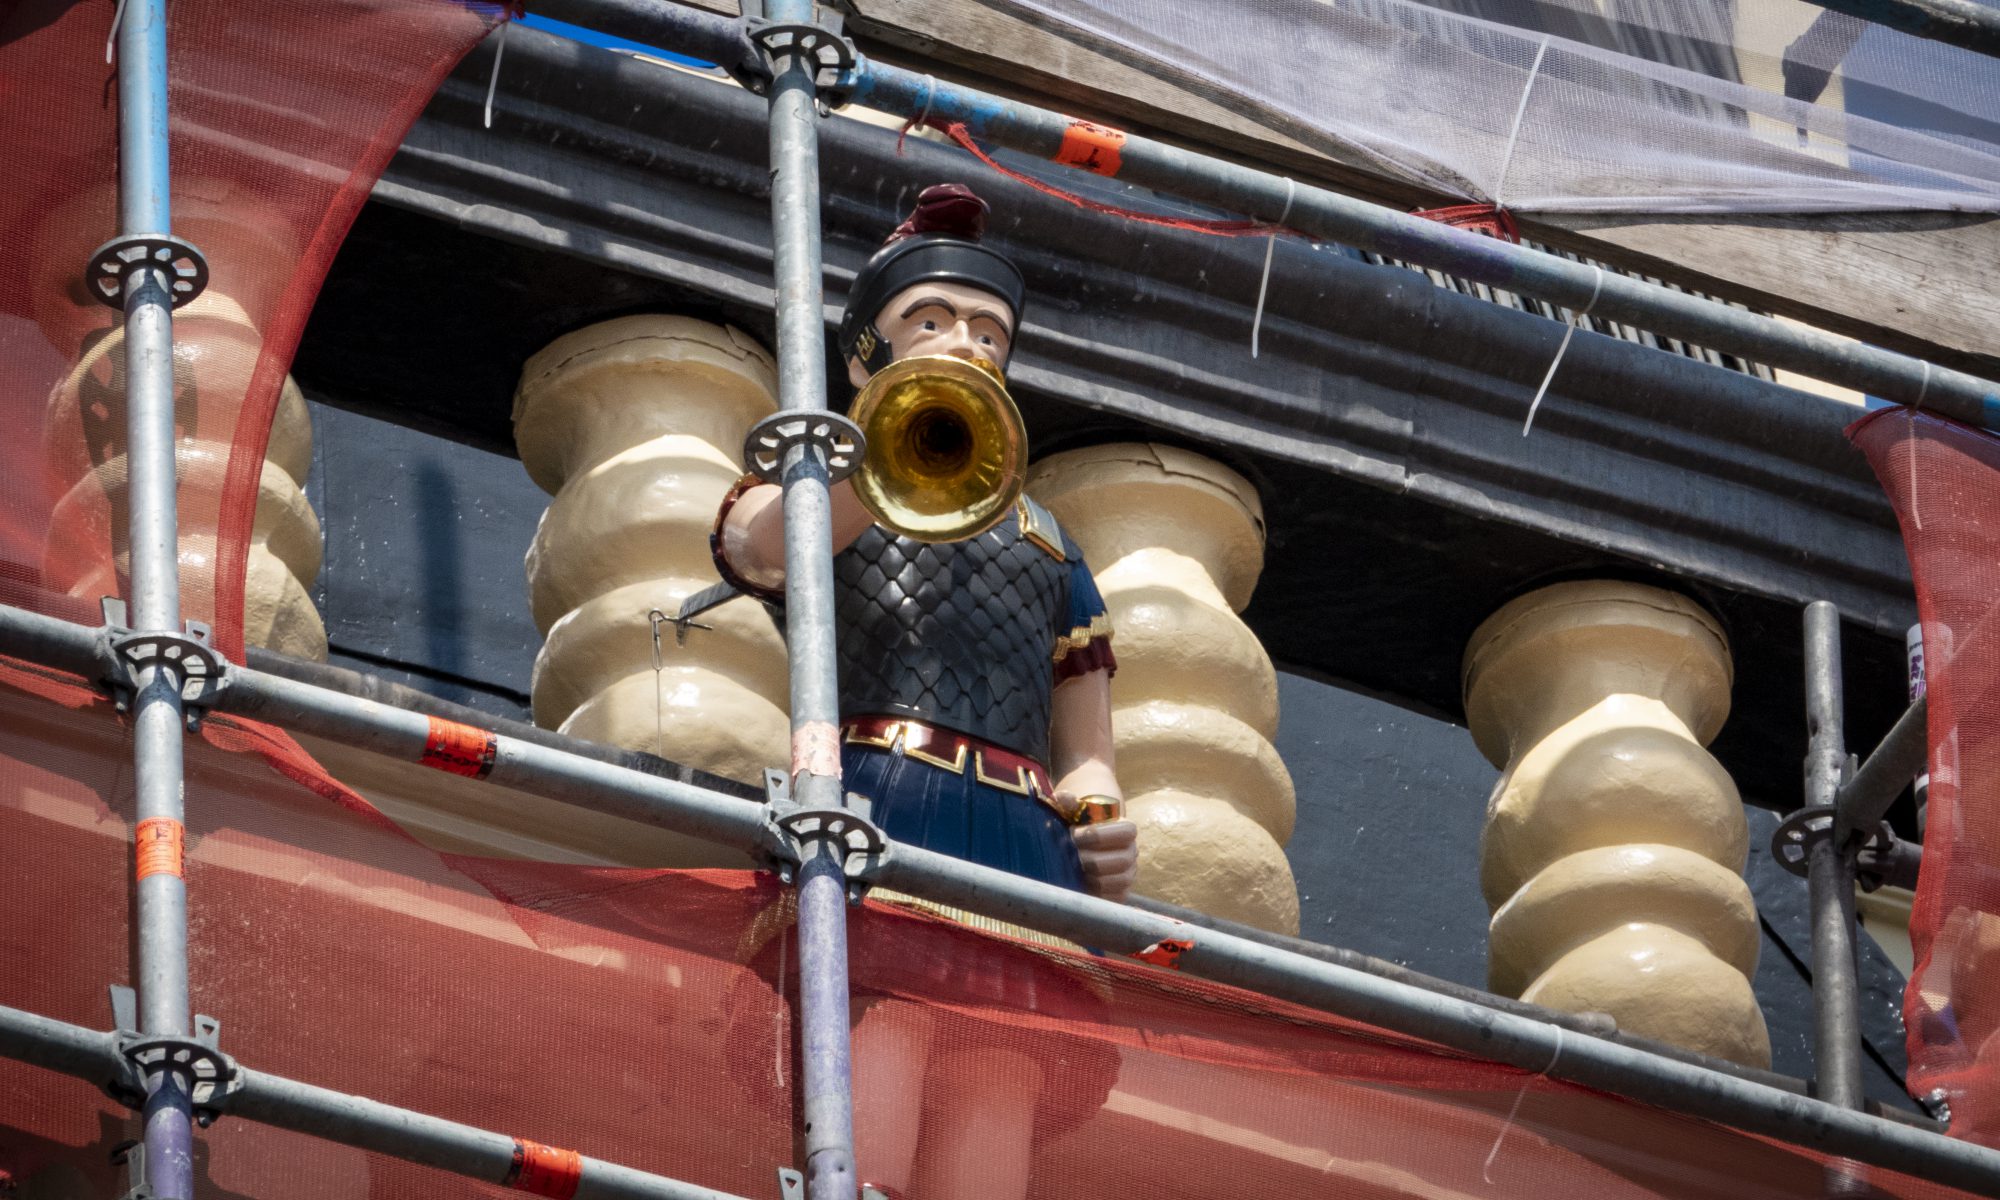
[
  {"x": 460, "y": 749},
  {"x": 1166, "y": 952},
  {"x": 160, "y": 841},
  {"x": 544, "y": 1170},
  {"x": 1094, "y": 148},
  {"x": 816, "y": 749}
]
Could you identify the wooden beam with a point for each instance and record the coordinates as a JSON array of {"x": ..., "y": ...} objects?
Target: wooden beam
[{"x": 1906, "y": 281}]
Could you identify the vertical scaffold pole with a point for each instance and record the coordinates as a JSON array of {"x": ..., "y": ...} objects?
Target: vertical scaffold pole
[
  {"x": 1830, "y": 872},
  {"x": 158, "y": 718},
  {"x": 826, "y": 1073}
]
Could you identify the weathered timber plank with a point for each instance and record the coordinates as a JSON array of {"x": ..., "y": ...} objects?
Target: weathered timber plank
[{"x": 1908, "y": 281}]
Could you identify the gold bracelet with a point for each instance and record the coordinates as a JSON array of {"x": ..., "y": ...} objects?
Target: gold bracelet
[{"x": 1096, "y": 810}]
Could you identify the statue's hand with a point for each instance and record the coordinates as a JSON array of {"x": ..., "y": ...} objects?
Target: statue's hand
[{"x": 1110, "y": 854}]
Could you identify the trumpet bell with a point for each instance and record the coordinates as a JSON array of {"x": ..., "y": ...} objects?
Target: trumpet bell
[{"x": 947, "y": 453}]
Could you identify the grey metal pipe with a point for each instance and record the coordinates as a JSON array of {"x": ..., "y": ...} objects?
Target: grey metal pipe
[
  {"x": 1591, "y": 1024},
  {"x": 1830, "y": 872},
  {"x": 153, "y": 541},
  {"x": 369, "y": 686},
  {"x": 1319, "y": 213},
  {"x": 1388, "y": 1004},
  {"x": 338, "y": 1117},
  {"x": 1900, "y": 758},
  {"x": 826, "y": 1073},
  {"x": 1961, "y": 23}
]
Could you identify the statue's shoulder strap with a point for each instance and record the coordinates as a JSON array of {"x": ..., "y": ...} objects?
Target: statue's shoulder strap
[{"x": 1039, "y": 526}]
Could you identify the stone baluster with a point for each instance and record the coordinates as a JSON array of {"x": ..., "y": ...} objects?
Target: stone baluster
[
  {"x": 215, "y": 349},
  {"x": 1614, "y": 844},
  {"x": 1176, "y": 541},
  {"x": 635, "y": 426}
]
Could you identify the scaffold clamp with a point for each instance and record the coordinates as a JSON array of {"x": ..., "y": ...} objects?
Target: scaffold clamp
[
  {"x": 770, "y": 442},
  {"x": 190, "y": 656},
  {"x": 180, "y": 268},
  {"x": 823, "y": 47},
  {"x": 1793, "y": 840},
  {"x": 793, "y": 834},
  {"x": 210, "y": 1076}
]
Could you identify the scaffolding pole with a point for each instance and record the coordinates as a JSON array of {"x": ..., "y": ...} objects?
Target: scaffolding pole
[
  {"x": 802, "y": 440},
  {"x": 1474, "y": 1030},
  {"x": 98, "y": 1058},
  {"x": 1836, "y": 982},
  {"x": 1321, "y": 214},
  {"x": 158, "y": 719}
]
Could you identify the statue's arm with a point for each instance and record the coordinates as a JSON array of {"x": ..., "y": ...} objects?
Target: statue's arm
[
  {"x": 1084, "y": 762},
  {"x": 751, "y": 539}
]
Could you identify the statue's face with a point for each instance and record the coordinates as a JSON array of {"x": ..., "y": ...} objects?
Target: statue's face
[{"x": 943, "y": 318}]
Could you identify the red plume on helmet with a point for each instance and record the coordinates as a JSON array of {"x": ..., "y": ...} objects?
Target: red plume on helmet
[{"x": 948, "y": 208}]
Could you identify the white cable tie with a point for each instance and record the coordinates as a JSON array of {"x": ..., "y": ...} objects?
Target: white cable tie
[
  {"x": 111, "y": 39},
  {"x": 930, "y": 93},
  {"x": 1486, "y": 1171},
  {"x": 1520, "y": 110},
  {"x": 1270, "y": 247},
  {"x": 1569, "y": 331},
  {"x": 493, "y": 80}
]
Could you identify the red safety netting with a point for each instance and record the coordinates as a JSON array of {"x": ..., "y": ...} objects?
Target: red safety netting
[
  {"x": 1944, "y": 480},
  {"x": 283, "y": 114},
  {"x": 645, "y": 1017}
]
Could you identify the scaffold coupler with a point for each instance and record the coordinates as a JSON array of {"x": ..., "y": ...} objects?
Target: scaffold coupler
[
  {"x": 792, "y": 834},
  {"x": 189, "y": 656}
]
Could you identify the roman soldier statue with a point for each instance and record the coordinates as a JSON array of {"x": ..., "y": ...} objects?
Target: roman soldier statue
[{"x": 975, "y": 706}]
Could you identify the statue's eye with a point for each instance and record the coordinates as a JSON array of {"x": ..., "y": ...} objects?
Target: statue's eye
[{"x": 930, "y": 326}]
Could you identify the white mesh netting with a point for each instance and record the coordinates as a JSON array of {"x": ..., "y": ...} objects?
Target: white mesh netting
[{"x": 1621, "y": 105}]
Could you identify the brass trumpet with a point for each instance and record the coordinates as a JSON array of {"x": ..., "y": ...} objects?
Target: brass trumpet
[{"x": 947, "y": 453}]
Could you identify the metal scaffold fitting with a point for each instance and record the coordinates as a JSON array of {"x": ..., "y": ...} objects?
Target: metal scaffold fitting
[
  {"x": 209, "y": 1076},
  {"x": 188, "y": 658},
  {"x": 793, "y": 835},
  {"x": 822, "y": 48},
  {"x": 837, "y": 441},
  {"x": 175, "y": 265}
]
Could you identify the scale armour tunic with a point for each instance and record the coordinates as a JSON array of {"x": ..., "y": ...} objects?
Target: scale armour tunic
[{"x": 970, "y": 636}]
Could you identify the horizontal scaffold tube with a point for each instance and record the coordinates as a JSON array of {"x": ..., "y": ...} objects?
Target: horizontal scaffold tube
[
  {"x": 481, "y": 1154},
  {"x": 1963, "y": 23},
  {"x": 1473, "y": 1029},
  {"x": 1318, "y": 213},
  {"x": 1899, "y": 758}
]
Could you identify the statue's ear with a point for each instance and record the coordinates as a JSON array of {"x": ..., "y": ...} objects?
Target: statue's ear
[{"x": 857, "y": 374}]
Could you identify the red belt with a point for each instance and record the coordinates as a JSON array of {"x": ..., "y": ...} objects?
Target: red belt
[{"x": 952, "y": 751}]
